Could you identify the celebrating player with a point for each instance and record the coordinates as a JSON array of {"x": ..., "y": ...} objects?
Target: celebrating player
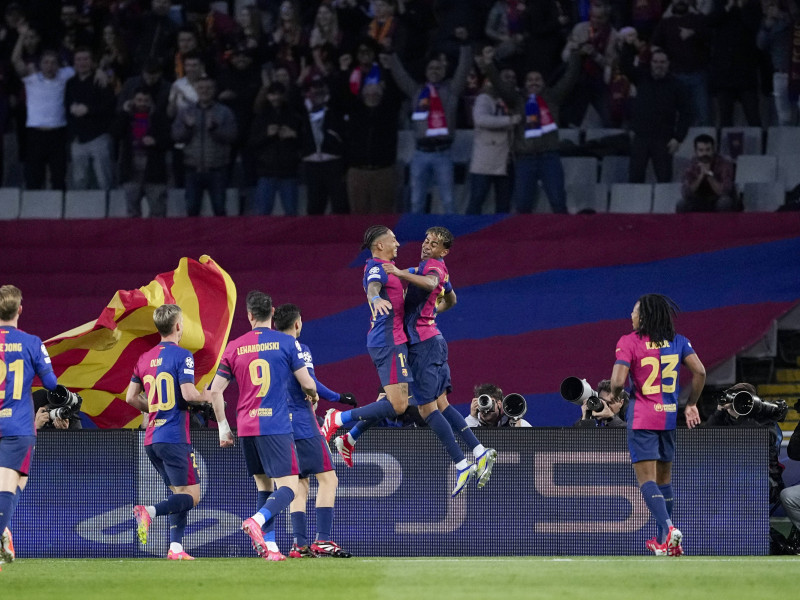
[
  {"x": 263, "y": 361},
  {"x": 166, "y": 374},
  {"x": 313, "y": 454},
  {"x": 652, "y": 355},
  {"x": 429, "y": 293},
  {"x": 386, "y": 340},
  {"x": 22, "y": 356}
]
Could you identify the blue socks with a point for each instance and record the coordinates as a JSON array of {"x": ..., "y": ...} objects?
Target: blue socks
[
  {"x": 279, "y": 500},
  {"x": 658, "y": 508},
  {"x": 300, "y": 528},
  {"x": 177, "y": 525},
  {"x": 7, "y": 505},
  {"x": 441, "y": 428},
  {"x": 666, "y": 491},
  {"x": 268, "y": 528},
  {"x": 460, "y": 427},
  {"x": 382, "y": 409},
  {"x": 176, "y": 503},
  {"x": 324, "y": 522}
]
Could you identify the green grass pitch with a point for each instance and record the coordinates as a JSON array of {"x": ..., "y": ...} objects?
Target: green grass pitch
[{"x": 479, "y": 578}]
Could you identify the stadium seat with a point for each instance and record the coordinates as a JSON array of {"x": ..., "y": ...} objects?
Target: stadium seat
[
  {"x": 789, "y": 170},
  {"x": 462, "y": 146},
  {"x": 631, "y": 198},
  {"x": 232, "y": 203},
  {"x": 42, "y": 204},
  {"x": 763, "y": 197},
  {"x": 9, "y": 203},
  {"x": 782, "y": 140},
  {"x": 571, "y": 134},
  {"x": 588, "y": 197},
  {"x": 614, "y": 169},
  {"x": 580, "y": 175},
  {"x": 666, "y": 197},
  {"x": 85, "y": 204},
  {"x": 117, "y": 206},
  {"x": 596, "y": 133},
  {"x": 756, "y": 169},
  {"x": 752, "y": 140}
]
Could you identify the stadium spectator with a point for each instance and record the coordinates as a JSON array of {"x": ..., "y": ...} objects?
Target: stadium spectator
[
  {"x": 613, "y": 413},
  {"x": 275, "y": 145},
  {"x": 654, "y": 349},
  {"x": 208, "y": 130},
  {"x": 707, "y": 184},
  {"x": 251, "y": 32},
  {"x": 150, "y": 79},
  {"x": 153, "y": 36},
  {"x": 491, "y": 147},
  {"x": 366, "y": 69},
  {"x": 182, "y": 95},
  {"x": 90, "y": 106},
  {"x": 775, "y": 37},
  {"x": 323, "y": 145},
  {"x": 371, "y": 140},
  {"x": 188, "y": 44},
  {"x": 25, "y": 356},
  {"x": 46, "y": 124},
  {"x": 262, "y": 414},
  {"x": 168, "y": 445},
  {"x": 536, "y": 140},
  {"x": 734, "y": 66},
  {"x": 143, "y": 134},
  {"x": 543, "y": 39},
  {"x": 660, "y": 117},
  {"x": 434, "y": 118},
  {"x": 114, "y": 58},
  {"x": 385, "y": 28},
  {"x": 684, "y": 34},
  {"x": 494, "y": 415},
  {"x": 313, "y": 454},
  {"x": 597, "y": 41}
]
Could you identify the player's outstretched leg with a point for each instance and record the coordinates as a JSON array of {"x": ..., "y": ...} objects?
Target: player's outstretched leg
[
  {"x": 485, "y": 463},
  {"x": 463, "y": 477},
  {"x": 381, "y": 409},
  {"x": 345, "y": 446}
]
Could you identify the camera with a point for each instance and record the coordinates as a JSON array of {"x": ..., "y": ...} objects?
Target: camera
[
  {"x": 746, "y": 404},
  {"x": 485, "y": 403},
  {"x": 62, "y": 403},
  {"x": 577, "y": 391},
  {"x": 514, "y": 406}
]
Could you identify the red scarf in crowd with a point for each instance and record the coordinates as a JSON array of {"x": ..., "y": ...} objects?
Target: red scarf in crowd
[
  {"x": 538, "y": 119},
  {"x": 429, "y": 107}
]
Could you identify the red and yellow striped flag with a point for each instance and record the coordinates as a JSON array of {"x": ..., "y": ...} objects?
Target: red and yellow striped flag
[{"x": 96, "y": 360}]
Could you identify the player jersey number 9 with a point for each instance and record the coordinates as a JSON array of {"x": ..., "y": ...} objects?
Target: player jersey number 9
[
  {"x": 160, "y": 392},
  {"x": 259, "y": 376},
  {"x": 669, "y": 374},
  {"x": 16, "y": 368}
]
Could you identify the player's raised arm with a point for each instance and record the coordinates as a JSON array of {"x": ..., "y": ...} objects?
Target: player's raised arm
[{"x": 426, "y": 282}]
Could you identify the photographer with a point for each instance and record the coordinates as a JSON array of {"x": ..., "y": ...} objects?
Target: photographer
[
  {"x": 757, "y": 414},
  {"x": 610, "y": 413},
  {"x": 488, "y": 411},
  {"x": 790, "y": 496},
  {"x": 51, "y": 413}
]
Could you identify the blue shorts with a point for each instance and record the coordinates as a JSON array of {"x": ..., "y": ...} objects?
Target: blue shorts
[
  {"x": 313, "y": 456},
  {"x": 175, "y": 463},
  {"x": 392, "y": 364},
  {"x": 16, "y": 452},
  {"x": 271, "y": 455},
  {"x": 651, "y": 444},
  {"x": 430, "y": 370}
]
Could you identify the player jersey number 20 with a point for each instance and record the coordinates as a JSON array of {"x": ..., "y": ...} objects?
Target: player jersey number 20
[
  {"x": 260, "y": 376},
  {"x": 16, "y": 368},
  {"x": 669, "y": 374},
  {"x": 160, "y": 392}
]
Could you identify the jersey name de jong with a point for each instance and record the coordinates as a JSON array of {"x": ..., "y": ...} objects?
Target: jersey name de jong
[
  {"x": 262, "y": 361},
  {"x": 161, "y": 371},
  {"x": 385, "y": 330},
  {"x": 420, "y": 304},
  {"x": 654, "y": 371},
  {"x": 22, "y": 356}
]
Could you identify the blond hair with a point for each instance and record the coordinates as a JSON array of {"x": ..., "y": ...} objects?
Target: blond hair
[
  {"x": 165, "y": 317},
  {"x": 10, "y": 300}
]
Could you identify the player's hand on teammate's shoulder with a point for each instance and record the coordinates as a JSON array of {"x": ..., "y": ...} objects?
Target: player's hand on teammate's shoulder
[{"x": 390, "y": 268}]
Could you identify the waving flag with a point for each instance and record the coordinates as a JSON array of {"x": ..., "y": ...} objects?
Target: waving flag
[{"x": 96, "y": 360}]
